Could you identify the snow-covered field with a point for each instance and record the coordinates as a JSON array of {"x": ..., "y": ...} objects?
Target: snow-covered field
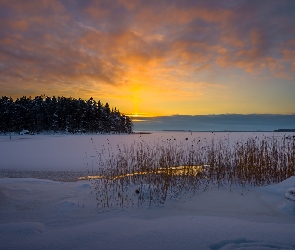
[{"x": 60, "y": 213}]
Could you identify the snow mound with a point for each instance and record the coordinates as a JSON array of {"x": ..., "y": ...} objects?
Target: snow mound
[
  {"x": 22, "y": 228},
  {"x": 84, "y": 186},
  {"x": 290, "y": 194},
  {"x": 248, "y": 244}
]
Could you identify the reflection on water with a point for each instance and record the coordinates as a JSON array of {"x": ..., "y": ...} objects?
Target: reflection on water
[{"x": 174, "y": 171}]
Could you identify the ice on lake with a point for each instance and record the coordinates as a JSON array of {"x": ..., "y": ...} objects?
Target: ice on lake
[{"x": 58, "y": 213}]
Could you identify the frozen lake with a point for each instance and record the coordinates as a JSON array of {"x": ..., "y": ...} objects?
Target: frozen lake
[
  {"x": 47, "y": 214},
  {"x": 63, "y": 152}
]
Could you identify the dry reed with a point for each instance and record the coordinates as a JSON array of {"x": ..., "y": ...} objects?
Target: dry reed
[{"x": 144, "y": 173}]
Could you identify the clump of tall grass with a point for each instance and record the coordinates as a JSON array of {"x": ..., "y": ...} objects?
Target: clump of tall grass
[
  {"x": 144, "y": 173},
  {"x": 261, "y": 162}
]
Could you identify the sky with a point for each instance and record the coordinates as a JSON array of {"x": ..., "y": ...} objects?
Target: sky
[{"x": 153, "y": 58}]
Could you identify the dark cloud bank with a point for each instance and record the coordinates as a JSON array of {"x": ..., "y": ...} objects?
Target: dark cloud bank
[
  {"x": 232, "y": 122},
  {"x": 54, "y": 44}
]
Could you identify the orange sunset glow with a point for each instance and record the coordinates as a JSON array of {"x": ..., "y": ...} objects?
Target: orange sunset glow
[{"x": 151, "y": 58}]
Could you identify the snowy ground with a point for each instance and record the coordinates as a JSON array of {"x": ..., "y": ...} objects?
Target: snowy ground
[{"x": 46, "y": 214}]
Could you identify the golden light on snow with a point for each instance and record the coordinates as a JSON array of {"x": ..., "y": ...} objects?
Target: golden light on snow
[{"x": 174, "y": 171}]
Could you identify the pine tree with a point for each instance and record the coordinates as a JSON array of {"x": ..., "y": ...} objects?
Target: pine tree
[{"x": 60, "y": 114}]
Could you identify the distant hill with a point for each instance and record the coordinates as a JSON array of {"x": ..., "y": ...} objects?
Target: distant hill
[
  {"x": 225, "y": 122},
  {"x": 284, "y": 130}
]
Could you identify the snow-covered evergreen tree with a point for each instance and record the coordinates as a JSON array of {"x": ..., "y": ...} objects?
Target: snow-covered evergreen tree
[{"x": 72, "y": 115}]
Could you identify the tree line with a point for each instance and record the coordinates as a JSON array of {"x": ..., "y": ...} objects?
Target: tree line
[{"x": 60, "y": 114}]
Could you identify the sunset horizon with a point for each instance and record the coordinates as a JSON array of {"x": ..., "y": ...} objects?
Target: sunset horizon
[
  {"x": 155, "y": 58},
  {"x": 138, "y": 115}
]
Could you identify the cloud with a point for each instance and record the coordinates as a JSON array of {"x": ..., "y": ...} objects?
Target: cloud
[{"x": 74, "y": 44}]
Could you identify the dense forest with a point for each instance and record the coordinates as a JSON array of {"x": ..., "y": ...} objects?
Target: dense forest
[{"x": 60, "y": 114}]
